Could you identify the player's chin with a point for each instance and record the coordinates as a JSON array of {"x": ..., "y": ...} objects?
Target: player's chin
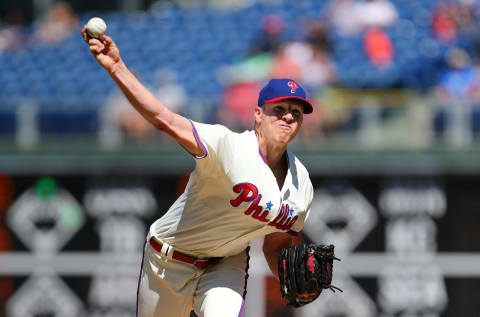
[{"x": 284, "y": 138}]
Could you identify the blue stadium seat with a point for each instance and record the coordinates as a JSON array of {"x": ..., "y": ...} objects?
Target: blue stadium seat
[{"x": 8, "y": 119}]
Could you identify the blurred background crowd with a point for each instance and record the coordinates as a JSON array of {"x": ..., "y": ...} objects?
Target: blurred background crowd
[{"x": 382, "y": 73}]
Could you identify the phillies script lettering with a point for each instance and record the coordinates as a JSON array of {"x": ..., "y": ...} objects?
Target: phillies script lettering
[{"x": 249, "y": 193}]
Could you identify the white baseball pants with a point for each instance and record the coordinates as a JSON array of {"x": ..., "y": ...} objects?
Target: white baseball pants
[{"x": 170, "y": 288}]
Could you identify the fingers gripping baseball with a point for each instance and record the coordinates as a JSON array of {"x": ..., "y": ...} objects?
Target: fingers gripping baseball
[{"x": 103, "y": 49}]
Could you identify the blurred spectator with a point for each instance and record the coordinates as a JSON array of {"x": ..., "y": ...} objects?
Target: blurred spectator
[
  {"x": 316, "y": 34},
  {"x": 453, "y": 17},
  {"x": 457, "y": 22},
  {"x": 343, "y": 17},
  {"x": 289, "y": 60},
  {"x": 121, "y": 113},
  {"x": 459, "y": 81},
  {"x": 254, "y": 68},
  {"x": 467, "y": 23},
  {"x": 257, "y": 65},
  {"x": 271, "y": 37},
  {"x": 463, "y": 16},
  {"x": 379, "y": 47},
  {"x": 305, "y": 63},
  {"x": 238, "y": 102},
  {"x": 169, "y": 91},
  {"x": 121, "y": 120},
  {"x": 58, "y": 23},
  {"x": 377, "y": 13},
  {"x": 312, "y": 128},
  {"x": 457, "y": 96},
  {"x": 13, "y": 35},
  {"x": 443, "y": 26},
  {"x": 350, "y": 17},
  {"x": 320, "y": 70}
]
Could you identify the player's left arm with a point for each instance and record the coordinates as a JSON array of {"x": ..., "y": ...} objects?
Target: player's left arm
[{"x": 273, "y": 244}]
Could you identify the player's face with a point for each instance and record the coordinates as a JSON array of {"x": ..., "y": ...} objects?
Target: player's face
[{"x": 281, "y": 120}]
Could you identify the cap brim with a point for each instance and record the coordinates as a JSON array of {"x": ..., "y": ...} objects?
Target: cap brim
[{"x": 307, "y": 105}]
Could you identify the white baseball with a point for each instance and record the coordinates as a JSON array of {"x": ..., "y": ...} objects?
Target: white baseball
[{"x": 96, "y": 27}]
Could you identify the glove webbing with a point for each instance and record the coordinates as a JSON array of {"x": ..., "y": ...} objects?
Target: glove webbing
[{"x": 328, "y": 256}]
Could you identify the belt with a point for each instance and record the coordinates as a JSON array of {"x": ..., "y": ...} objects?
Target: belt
[{"x": 199, "y": 263}]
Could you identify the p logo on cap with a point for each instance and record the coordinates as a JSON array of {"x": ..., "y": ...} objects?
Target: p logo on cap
[
  {"x": 282, "y": 89},
  {"x": 292, "y": 85}
]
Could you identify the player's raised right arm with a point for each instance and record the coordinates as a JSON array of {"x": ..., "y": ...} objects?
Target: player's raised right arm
[{"x": 107, "y": 54}]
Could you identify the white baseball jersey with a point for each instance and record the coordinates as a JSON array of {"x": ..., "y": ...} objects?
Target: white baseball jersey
[{"x": 233, "y": 197}]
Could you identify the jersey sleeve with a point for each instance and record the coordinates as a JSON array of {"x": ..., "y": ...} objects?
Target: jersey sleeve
[{"x": 216, "y": 142}]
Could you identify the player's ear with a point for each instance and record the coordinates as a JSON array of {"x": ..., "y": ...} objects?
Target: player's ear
[{"x": 258, "y": 114}]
